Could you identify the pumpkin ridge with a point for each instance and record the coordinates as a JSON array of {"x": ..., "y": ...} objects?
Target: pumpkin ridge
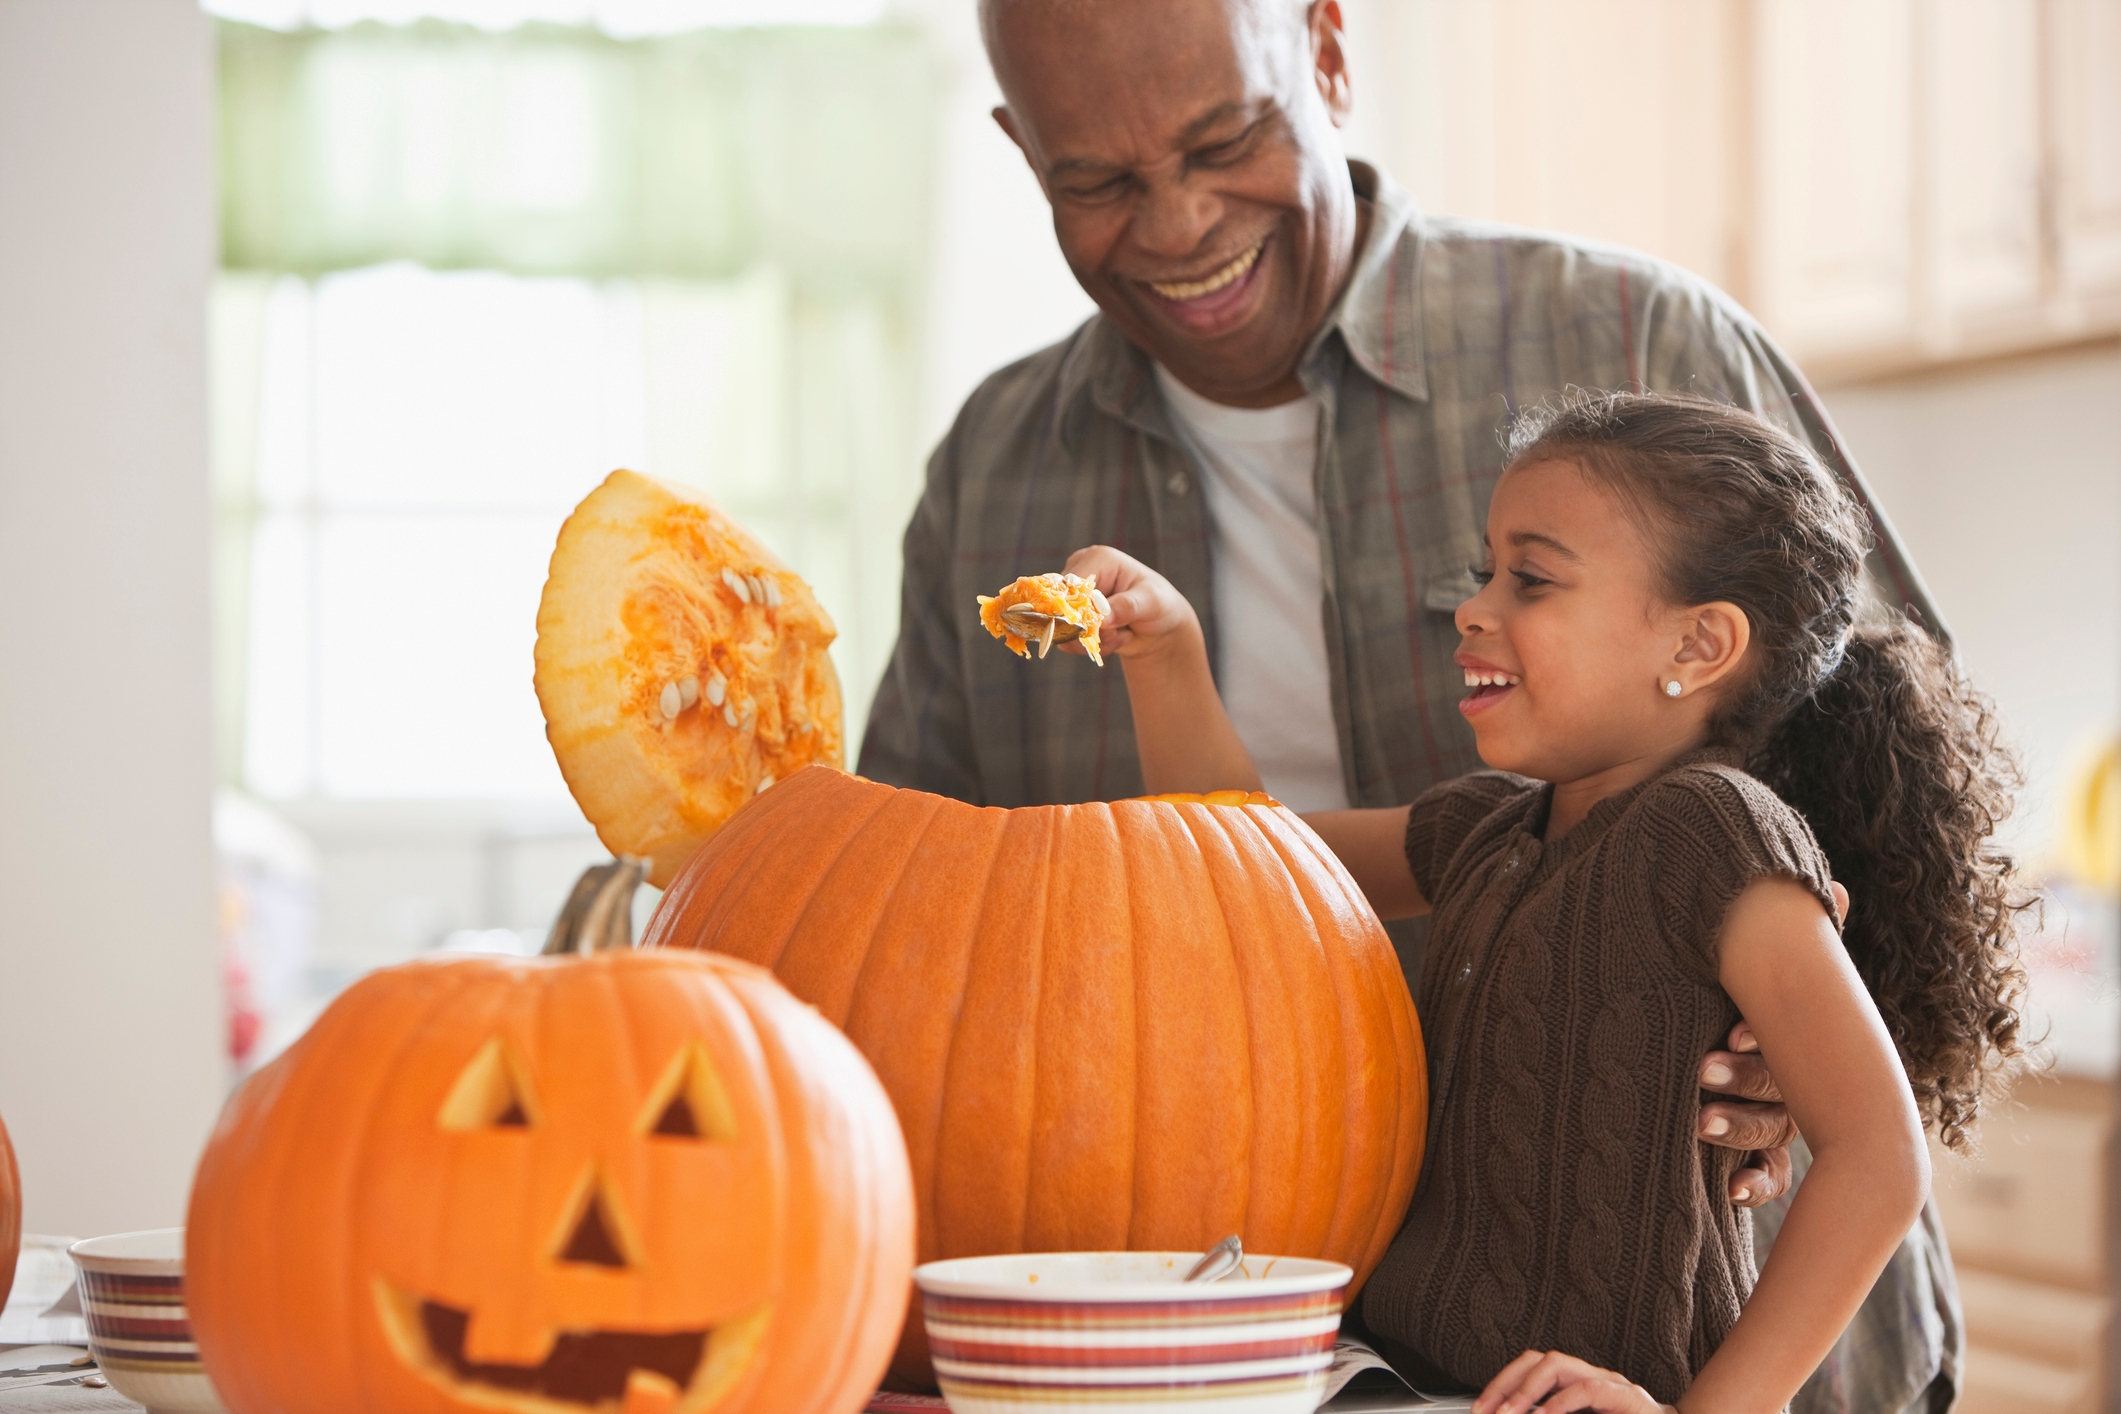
[
  {"x": 1056, "y": 828},
  {"x": 878, "y": 902},
  {"x": 1331, "y": 1166},
  {"x": 753, "y": 832},
  {"x": 1362, "y": 988},
  {"x": 1346, "y": 1206},
  {"x": 1225, "y": 827},
  {"x": 1212, "y": 1033},
  {"x": 927, "y": 1163},
  {"x": 1004, "y": 954}
]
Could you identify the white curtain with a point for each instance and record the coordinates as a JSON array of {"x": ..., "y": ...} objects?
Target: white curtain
[{"x": 465, "y": 275}]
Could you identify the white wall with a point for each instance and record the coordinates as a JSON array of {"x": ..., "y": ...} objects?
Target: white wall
[
  {"x": 110, "y": 1038},
  {"x": 2006, "y": 484},
  {"x": 997, "y": 286}
]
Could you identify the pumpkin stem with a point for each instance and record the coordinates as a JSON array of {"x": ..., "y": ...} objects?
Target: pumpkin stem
[{"x": 599, "y": 912}]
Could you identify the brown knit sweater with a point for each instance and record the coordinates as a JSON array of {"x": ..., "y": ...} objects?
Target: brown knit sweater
[{"x": 1567, "y": 998}]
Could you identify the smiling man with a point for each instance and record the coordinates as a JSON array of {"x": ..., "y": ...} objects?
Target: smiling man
[{"x": 1290, "y": 403}]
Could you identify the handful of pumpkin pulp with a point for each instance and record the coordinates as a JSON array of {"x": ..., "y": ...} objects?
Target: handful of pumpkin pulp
[{"x": 1057, "y": 599}]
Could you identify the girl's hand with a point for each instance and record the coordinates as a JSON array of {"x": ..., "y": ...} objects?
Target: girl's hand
[
  {"x": 1554, "y": 1383},
  {"x": 1145, "y": 610}
]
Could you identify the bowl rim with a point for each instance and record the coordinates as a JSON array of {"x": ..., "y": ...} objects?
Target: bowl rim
[
  {"x": 142, "y": 1253},
  {"x": 953, "y": 1276}
]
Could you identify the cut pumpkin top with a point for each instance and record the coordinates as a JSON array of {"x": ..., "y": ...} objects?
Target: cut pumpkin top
[
  {"x": 1216, "y": 797},
  {"x": 681, "y": 668},
  {"x": 1070, "y": 598}
]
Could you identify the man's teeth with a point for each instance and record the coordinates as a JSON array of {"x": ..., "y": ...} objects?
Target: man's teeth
[
  {"x": 1194, "y": 289},
  {"x": 1481, "y": 679}
]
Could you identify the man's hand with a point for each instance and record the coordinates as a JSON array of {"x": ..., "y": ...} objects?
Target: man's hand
[{"x": 1754, "y": 1120}]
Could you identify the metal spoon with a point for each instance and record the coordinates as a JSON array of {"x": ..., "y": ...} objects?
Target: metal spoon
[
  {"x": 1219, "y": 1261},
  {"x": 1045, "y": 630}
]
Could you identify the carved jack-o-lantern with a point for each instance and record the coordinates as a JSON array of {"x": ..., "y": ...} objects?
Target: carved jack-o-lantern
[{"x": 632, "y": 1181}]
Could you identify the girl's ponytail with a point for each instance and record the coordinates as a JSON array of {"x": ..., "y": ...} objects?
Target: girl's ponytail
[
  {"x": 1895, "y": 761},
  {"x": 1870, "y": 731}
]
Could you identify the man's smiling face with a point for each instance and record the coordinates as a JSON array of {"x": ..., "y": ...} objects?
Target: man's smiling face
[{"x": 1198, "y": 188}]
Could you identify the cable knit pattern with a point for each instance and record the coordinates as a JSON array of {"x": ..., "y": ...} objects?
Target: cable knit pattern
[{"x": 1567, "y": 998}]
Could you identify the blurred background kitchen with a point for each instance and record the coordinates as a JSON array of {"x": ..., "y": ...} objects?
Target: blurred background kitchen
[{"x": 316, "y": 317}]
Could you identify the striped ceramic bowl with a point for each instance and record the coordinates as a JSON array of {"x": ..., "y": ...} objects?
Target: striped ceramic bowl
[
  {"x": 132, "y": 1291},
  {"x": 1104, "y": 1331}
]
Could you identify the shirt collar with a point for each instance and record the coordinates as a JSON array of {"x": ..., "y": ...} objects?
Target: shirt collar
[{"x": 1376, "y": 318}]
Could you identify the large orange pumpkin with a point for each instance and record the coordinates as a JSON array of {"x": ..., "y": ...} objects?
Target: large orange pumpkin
[
  {"x": 649, "y": 1183},
  {"x": 680, "y": 666},
  {"x": 1138, "y": 1025},
  {"x": 10, "y": 1215}
]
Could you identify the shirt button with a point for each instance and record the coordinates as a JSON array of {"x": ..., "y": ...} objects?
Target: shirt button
[
  {"x": 1465, "y": 974},
  {"x": 1179, "y": 483},
  {"x": 1509, "y": 865}
]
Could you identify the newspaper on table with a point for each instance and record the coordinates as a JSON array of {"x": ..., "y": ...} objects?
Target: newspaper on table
[
  {"x": 1357, "y": 1382},
  {"x": 43, "y": 1307}
]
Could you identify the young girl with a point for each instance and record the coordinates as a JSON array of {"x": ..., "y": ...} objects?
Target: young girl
[{"x": 1665, "y": 641}]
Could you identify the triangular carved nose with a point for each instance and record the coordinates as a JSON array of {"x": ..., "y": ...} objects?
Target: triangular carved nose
[{"x": 591, "y": 1242}]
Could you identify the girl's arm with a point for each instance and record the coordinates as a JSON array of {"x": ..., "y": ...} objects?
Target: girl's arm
[
  {"x": 1781, "y": 962},
  {"x": 1185, "y": 738},
  {"x": 1181, "y": 732}
]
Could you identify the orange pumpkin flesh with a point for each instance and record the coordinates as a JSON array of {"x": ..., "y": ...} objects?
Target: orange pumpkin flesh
[
  {"x": 10, "y": 1215},
  {"x": 1138, "y": 1025},
  {"x": 680, "y": 666},
  {"x": 633, "y": 1183},
  {"x": 1068, "y": 597}
]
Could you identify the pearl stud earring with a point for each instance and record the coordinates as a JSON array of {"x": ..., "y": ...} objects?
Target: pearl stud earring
[{"x": 1671, "y": 689}]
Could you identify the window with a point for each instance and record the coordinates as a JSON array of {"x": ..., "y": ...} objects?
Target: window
[{"x": 467, "y": 274}]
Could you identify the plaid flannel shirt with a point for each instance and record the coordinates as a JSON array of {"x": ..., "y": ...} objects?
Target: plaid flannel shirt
[{"x": 1445, "y": 331}]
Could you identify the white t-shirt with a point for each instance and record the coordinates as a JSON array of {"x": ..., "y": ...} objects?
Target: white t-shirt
[{"x": 1261, "y": 466}]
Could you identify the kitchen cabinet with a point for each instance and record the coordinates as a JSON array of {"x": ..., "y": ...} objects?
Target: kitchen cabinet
[
  {"x": 1890, "y": 185},
  {"x": 2029, "y": 1219}
]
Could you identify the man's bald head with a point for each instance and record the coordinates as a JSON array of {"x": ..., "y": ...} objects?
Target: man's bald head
[
  {"x": 1198, "y": 187},
  {"x": 1289, "y": 14}
]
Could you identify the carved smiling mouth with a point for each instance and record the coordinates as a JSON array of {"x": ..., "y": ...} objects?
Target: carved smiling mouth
[
  {"x": 628, "y": 1372},
  {"x": 585, "y": 1367}
]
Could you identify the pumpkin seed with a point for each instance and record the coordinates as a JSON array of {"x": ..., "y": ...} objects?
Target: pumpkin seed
[
  {"x": 729, "y": 714},
  {"x": 736, "y": 584},
  {"x": 672, "y": 701},
  {"x": 717, "y": 688},
  {"x": 688, "y": 692}
]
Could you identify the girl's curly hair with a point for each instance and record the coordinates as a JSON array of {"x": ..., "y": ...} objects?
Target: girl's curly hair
[{"x": 1869, "y": 729}]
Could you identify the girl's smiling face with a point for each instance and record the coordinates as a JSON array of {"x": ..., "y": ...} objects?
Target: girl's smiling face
[{"x": 1569, "y": 645}]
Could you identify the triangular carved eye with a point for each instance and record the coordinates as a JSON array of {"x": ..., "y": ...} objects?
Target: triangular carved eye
[
  {"x": 490, "y": 1093},
  {"x": 689, "y": 1102},
  {"x": 677, "y": 1119}
]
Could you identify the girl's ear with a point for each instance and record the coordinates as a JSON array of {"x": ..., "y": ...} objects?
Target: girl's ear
[{"x": 1712, "y": 642}]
